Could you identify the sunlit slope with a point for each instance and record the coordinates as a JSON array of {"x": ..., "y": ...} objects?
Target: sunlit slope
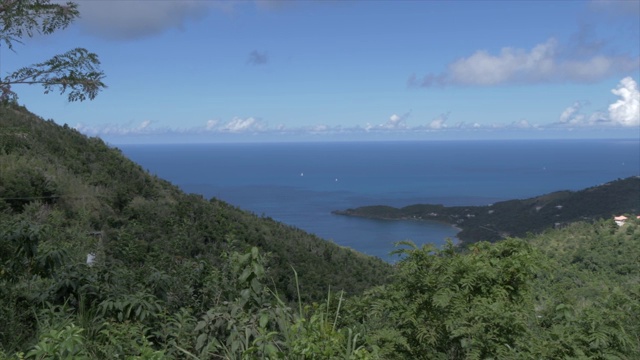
[{"x": 102, "y": 202}]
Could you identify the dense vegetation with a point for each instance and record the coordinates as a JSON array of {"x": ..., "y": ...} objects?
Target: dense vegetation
[
  {"x": 99, "y": 259},
  {"x": 64, "y": 196},
  {"x": 519, "y": 217}
]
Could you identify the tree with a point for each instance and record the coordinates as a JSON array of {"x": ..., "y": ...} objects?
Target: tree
[
  {"x": 77, "y": 70},
  {"x": 450, "y": 305}
]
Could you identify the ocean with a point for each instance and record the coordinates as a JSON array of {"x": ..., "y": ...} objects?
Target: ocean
[{"x": 301, "y": 183}]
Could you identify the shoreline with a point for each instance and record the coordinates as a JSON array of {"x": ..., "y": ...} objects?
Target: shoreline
[
  {"x": 517, "y": 217},
  {"x": 457, "y": 228}
]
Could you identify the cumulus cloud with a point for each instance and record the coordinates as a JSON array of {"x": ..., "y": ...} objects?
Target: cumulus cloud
[
  {"x": 572, "y": 115},
  {"x": 258, "y": 58},
  {"x": 140, "y": 18},
  {"x": 626, "y": 111},
  {"x": 395, "y": 122},
  {"x": 545, "y": 62},
  {"x": 439, "y": 122},
  {"x": 238, "y": 124}
]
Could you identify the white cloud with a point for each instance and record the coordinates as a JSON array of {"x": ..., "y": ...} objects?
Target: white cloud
[
  {"x": 626, "y": 111},
  {"x": 439, "y": 122},
  {"x": 145, "y": 124},
  {"x": 545, "y": 62},
  {"x": 396, "y": 121},
  {"x": 572, "y": 115},
  {"x": 249, "y": 124},
  {"x": 211, "y": 124},
  {"x": 483, "y": 68}
]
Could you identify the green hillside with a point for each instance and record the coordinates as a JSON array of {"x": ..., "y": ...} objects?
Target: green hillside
[
  {"x": 89, "y": 198},
  {"x": 100, "y": 260},
  {"x": 519, "y": 217}
]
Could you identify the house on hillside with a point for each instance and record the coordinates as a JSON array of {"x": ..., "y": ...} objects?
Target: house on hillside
[{"x": 620, "y": 220}]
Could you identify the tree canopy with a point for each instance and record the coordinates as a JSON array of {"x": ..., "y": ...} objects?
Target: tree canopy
[{"x": 76, "y": 71}]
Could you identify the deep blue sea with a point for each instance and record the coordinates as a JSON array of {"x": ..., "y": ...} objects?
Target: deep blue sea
[{"x": 301, "y": 183}]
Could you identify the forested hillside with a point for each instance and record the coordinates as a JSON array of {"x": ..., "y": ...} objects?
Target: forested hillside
[
  {"x": 56, "y": 178},
  {"x": 519, "y": 217},
  {"x": 64, "y": 196},
  {"x": 100, "y": 260}
]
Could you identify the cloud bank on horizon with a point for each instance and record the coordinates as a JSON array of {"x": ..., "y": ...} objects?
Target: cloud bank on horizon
[{"x": 625, "y": 112}]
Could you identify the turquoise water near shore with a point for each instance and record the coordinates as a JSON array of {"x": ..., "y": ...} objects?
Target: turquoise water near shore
[{"x": 301, "y": 183}]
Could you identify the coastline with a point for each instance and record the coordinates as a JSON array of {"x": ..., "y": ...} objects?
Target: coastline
[
  {"x": 457, "y": 228},
  {"x": 518, "y": 217}
]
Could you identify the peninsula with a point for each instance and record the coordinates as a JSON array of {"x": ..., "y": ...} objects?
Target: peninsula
[{"x": 519, "y": 217}]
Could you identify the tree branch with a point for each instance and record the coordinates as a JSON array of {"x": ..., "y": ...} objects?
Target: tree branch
[
  {"x": 28, "y": 17},
  {"x": 76, "y": 70}
]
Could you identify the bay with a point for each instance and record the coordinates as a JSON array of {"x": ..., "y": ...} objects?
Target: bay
[{"x": 301, "y": 183}]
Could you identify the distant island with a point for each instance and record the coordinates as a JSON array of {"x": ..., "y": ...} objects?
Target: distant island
[{"x": 517, "y": 218}]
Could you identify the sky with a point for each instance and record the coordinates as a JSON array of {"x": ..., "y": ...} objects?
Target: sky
[{"x": 220, "y": 71}]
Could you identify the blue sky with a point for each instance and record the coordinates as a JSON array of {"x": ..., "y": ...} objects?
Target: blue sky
[{"x": 212, "y": 71}]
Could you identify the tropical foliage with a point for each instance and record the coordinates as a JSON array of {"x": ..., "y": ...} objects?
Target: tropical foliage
[
  {"x": 101, "y": 260},
  {"x": 77, "y": 71}
]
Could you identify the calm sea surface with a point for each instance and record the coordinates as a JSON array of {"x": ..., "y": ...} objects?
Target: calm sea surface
[{"x": 301, "y": 183}]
